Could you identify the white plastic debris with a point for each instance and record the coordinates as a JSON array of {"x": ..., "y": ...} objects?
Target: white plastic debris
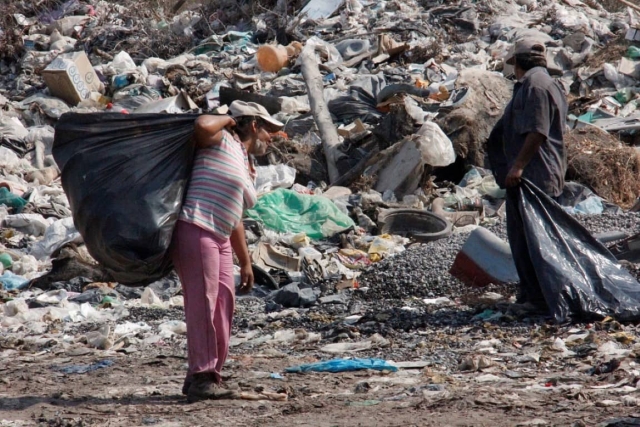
[
  {"x": 130, "y": 328},
  {"x": 435, "y": 146},
  {"x": 274, "y": 176},
  {"x": 32, "y": 224},
  {"x": 52, "y": 297},
  {"x": 15, "y": 307},
  {"x": 150, "y": 298},
  {"x": 57, "y": 235},
  {"x": 177, "y": 327},
  {"x": 123, "y": 63}
]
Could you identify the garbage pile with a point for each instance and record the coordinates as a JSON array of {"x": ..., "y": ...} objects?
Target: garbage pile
[
  {"x": 369, "y": 194},
  {"x": 411, "y": 109}
]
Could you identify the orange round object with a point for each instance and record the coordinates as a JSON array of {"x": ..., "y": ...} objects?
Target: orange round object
[{"x": 272, "y": 58}]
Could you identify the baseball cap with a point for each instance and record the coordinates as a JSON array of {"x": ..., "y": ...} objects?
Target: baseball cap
[
  {"x": 532, "y": 47},
  {"x": 242, "y": 109}
]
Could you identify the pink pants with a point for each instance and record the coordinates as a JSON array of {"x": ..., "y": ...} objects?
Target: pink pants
[{"x": 204, "y": 263}]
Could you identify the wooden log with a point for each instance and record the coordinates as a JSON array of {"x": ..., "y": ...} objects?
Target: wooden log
[
  {"x": 631, "y": 5},
  {"x": 320, "y": 111}
]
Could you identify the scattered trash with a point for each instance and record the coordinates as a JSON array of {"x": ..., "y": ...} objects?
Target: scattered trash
[{"x": 11, "y": 282}]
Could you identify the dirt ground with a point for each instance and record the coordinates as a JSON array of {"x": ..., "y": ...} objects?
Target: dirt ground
[{"x": 144, "y": 389}]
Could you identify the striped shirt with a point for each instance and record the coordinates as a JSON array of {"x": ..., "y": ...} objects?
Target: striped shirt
[{"x": 220, "y": 188}]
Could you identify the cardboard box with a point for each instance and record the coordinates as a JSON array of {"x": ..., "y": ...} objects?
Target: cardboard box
[
  {"x": 351, "y": 130},
  {"x": 71, "y": 78}
]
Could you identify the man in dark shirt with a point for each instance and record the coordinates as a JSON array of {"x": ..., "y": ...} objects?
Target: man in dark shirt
[{"x": 528, "y": 143}]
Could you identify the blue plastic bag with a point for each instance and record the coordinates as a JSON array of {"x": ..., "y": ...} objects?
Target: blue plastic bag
[
  {"x": 343, "y": 365},
  {"x": 11, "y": 282}
]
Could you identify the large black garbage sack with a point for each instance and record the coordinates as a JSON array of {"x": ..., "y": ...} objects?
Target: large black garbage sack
[
  {"x": 125, "y": 177},
  {"x": 360, "y": 101},
  {"x": 579, "y": 277}
]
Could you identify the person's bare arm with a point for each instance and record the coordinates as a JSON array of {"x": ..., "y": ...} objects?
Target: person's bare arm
[
  {"x": 531, "y": 146},
  {"x": 208, "y": 129},
  {"x": 239, "y": 245}
]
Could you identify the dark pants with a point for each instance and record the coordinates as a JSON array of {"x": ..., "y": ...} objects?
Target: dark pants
[{"x": 530, "y": 290}]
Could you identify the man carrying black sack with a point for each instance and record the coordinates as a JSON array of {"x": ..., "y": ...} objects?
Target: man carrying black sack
[{"x": 528, "y": 143}]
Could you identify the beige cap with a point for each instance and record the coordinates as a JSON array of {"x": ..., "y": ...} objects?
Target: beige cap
[
  {"x": 532, "y": 47},
  {"x": 242, "y": 109}
]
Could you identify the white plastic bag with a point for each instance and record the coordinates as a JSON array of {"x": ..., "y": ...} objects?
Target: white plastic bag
[
  {"x": 33, "y": 224},
  {"x": 274, "y": 176},
  {"x": 8, "y": 158},
  {"x": 12, "y": 128},
  {"x": 122, "y": 63},
  {"x": 435, "y": 146},
  {"x": 149, "y": 298},
  {"x": 57, "y": 235}
]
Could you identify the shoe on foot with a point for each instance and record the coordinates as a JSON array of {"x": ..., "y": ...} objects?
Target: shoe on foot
[
  {"x": 205, "y": 387},
  {"x": 187, "y": 383}
]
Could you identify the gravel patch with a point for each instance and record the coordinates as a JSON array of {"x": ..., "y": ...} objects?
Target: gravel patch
[{"x": 423, "y": 271}]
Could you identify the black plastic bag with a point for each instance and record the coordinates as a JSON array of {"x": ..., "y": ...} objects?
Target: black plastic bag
[
  {"x": 360, "y": 101},
  {"x": 125, "y": 177},
  {"x": 578, "y": 276}
]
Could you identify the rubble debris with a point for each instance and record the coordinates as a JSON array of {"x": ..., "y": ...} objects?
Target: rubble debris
[{"x": 469, "y": 125}]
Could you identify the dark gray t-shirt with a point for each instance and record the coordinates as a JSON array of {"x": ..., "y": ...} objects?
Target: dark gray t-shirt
[{"x": 538, "y": 105}]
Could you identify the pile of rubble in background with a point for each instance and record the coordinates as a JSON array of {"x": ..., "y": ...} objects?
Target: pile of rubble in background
[{"x": 413, "y": 89}]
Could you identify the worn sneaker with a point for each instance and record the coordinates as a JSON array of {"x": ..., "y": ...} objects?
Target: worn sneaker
[{"x": 204, "y": 387}]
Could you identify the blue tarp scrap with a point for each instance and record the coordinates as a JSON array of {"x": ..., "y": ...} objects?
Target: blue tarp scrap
[{"x": 344, "y": 365}]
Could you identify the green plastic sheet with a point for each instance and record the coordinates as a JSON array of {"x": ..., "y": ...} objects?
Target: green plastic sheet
[{"x": 286, "y": 211}]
